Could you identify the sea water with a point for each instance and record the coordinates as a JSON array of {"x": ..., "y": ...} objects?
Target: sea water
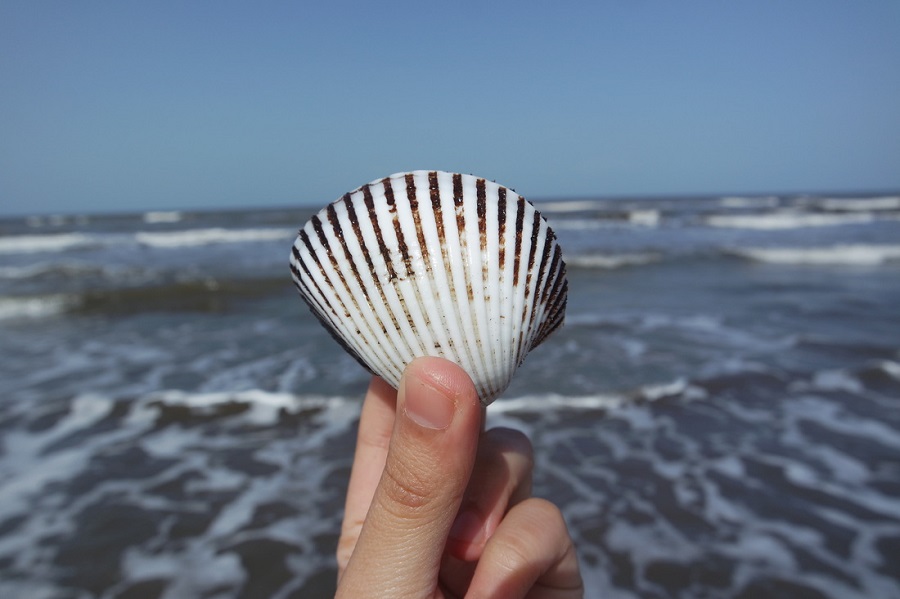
[{"x": 719, "y": 416}]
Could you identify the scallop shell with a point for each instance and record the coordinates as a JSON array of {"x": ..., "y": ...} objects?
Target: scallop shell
[{"x": 429, "y": 263}]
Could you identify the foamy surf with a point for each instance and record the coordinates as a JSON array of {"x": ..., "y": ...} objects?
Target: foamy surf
[
  {"x": 27, "y": 244},
  {"x": 611, "y": 261},
  {"x": 860, "y": 204},
  {"x": 157, "y": 217},
  {"x": 570, "y": 206},
  {"x": 260, "y": 408},
  {"x": 33, "y": 307},
  {"x": 708, "y": 426},
  {"x": 839, "y": 254},
  {"x": 198, "y": 237},
  {"x": 785, "y": 220},
  {"x": 749, "y": 202}
]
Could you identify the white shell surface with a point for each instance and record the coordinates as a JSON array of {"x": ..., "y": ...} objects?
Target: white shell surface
[{"x": 430, "y": 263}]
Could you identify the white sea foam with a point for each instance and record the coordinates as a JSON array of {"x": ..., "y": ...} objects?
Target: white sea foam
[
  {"x": 891, "y": 368},
  {"x": 861, "y": 204},
  {"x": 581, "y": 224},
  {"x": 33, "y": 307},
  {"x": 197, "y": 237},
  {"x": 264, "y": 406},
  {"x": 610, "y": 261},
  {"x": 679, "y": 386},
  {"x": 749, "y": 202},
  {"x": 569, "y": 206},
  {"x": 860, "y": 254},
  {"x": 530, "y": 403},
  {"x": 162, "y": 217},
  {"x": 785, "y": 220},
  {"x": 644, "y": 218},
  {"x": 27, "y": 244},
  {"x": 634, "y": 218}
]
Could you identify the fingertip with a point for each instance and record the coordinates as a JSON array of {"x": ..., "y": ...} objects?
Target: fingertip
[
  {"x": 446, "y": 377},
  {"x": 467, "y": 535},
  {"x": 443, "y": 372},
  {"x": 509, "y": 440}
]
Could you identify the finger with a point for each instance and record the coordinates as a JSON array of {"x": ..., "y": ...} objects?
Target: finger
[
  {"x": 501, "y": 478},
  {"x": 530, "y": 555},
  {"x": 376, "y": 421},
  {"x": 429, "y": 461}
]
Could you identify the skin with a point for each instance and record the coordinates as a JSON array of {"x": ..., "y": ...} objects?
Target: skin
[{"x": 438, "y": 508}]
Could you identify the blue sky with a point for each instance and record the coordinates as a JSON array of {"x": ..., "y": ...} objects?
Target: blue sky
[{"x": 120, "y": 106}]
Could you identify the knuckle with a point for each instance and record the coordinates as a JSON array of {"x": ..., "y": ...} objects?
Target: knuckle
[{"x": 405, "y": 489}]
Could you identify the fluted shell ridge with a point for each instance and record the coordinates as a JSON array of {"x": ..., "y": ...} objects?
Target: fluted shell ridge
[{"x": 429, "y": 263}]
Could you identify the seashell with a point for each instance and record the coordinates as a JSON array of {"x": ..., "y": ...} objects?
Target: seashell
[{"x": 429, "y": 263}]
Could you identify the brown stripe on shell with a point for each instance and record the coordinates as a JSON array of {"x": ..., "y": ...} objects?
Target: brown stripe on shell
[
  {"x": 520, "y": 221},
  {"x": 460, "y": 209},
  {"x": 461, "y": 226},
  {"x": 320, "y": 233},
  {"x": 556, "y": 318},
  {"x": 339, "y": 233},
  {"x": 535, "y": 227},
  {"x": 459, "y": 206},
  {"x": 376, "y": 226},
  {"x": 304, "y": 237},
  {"x": 556, "y": 300},
  {"x": 398, "y": 231},
  {"x": 528, "y": 314},
  {"x": 412, "y": 197},
  {"x": 554, "y": 265},
  {"x": 417, "y": 219},
  {"x": 331, "y": 213},
  {"x": 413, "y": 200},
  {"x": 350, "y": 206},
  {"x": 388, "y": 194},
  {"x": 501, "y": 219},
  {"x": 317, "y": 309},
  {"x": 481, "y": 206},
  {"x": 536, "y": 299},
  {"x": 551, "y": 299},
  {"x": 435, "y": 192}
]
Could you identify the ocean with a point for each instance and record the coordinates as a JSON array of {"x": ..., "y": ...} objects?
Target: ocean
[{"x": 718, "y": 417}]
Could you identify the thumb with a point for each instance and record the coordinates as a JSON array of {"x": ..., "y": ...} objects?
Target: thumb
[{"x": 428, "y": 466}]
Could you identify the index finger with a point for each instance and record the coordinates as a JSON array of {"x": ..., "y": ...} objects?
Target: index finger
[{"x": 376, "y": 421}]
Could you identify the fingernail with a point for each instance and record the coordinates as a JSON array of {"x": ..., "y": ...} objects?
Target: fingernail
[
  {"x": 426, "y": 406},
  {"x": 468, "y": 527}
]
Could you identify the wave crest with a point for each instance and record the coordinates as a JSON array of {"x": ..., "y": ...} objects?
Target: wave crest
[{"x": 838, "y": 254}]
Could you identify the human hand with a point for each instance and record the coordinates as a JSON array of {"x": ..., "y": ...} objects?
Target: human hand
[{"x": 404, "y": 534}]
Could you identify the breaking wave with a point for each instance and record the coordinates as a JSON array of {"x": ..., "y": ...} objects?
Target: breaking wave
[
  {"x": 610, "y": 261},
  {"x": 33, "y": 307},
  {"x": 860, "y": 204},
  {"x": 196, "y": 237},
  {"x": 61, "y": 242},
  {"x": 785, "y": 220},
  {"x": 27, "y": 244},
  {"x": 173, "y": 216},
  {"x": 837, "y": 254}
]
